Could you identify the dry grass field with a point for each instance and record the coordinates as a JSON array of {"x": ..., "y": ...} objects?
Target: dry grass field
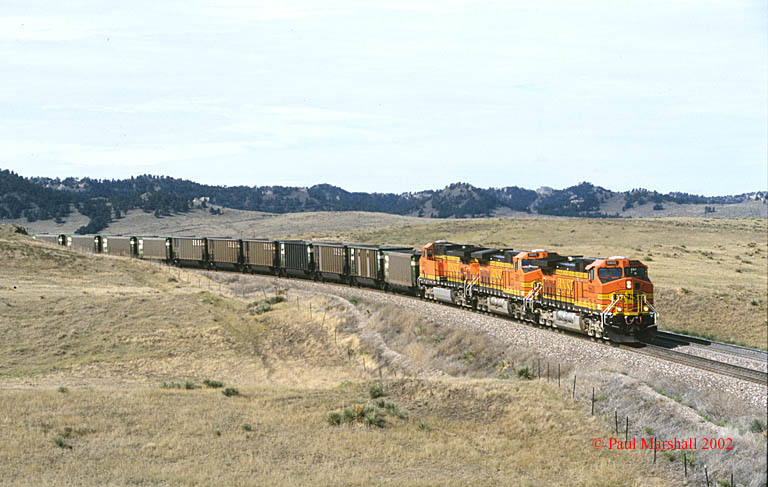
[
  {"x": 103, "y": 382},
  {"x": 710, "y": 275}
]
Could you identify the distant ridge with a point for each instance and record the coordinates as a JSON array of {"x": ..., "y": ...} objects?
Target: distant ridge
[{"x": 104, "y": 200}]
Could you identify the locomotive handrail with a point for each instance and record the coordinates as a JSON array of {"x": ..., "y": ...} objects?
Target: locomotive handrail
[
  {"x": 532, "y": 295},
  {"x": 614, "y": 302},
  {"x": 650, "y": 306},
  {"x": 470, "y": 286}
]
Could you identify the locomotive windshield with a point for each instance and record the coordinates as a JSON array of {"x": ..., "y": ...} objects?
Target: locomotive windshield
[
  {"x": 637, "y": 273},
  {"x": 608, "y": 274}
]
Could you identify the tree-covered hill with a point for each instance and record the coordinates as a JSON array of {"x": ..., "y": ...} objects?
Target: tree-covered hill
[{"x": 105, "y": 200}]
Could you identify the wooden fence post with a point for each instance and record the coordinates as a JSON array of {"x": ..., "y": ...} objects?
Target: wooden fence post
[
  {"x": 616, "y": 417},
  {"x": 573, "y": 395},
  {"x": 654, "y": 450},
  {"x": 593, "y": 401},
  {"x": 558, "y": 375},
  {"x": 626, "y": 432},
  {"x": 685, "y": 465}
]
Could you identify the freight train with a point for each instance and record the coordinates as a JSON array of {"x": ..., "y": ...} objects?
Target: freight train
[{"x": 608, "y": 298}]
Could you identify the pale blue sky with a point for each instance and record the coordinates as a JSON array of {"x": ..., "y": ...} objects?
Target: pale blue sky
[{"x": 392, "y": 95}]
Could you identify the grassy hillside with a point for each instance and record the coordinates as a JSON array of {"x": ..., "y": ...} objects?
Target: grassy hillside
[
  {"x": 709, "y": 274},
  {"x": 236, "y": 223},
  {"x": 89, "y": 341}
]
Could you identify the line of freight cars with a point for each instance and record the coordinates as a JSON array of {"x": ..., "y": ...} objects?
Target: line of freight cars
[{"x": 382, "y": 267}]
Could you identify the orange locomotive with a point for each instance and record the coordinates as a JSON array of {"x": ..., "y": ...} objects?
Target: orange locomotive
[{"x": 609, "y": 298}]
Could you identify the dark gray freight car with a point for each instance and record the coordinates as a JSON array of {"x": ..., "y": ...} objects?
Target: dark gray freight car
[
  {"x": 154, "y": 248},
  {"x": 364, "y": 261},
  {"x": 295, "y": 257},
  {"x": 189, "y": 250},
  {"x": 331, "y": 260},
  {"x": 83, "y": 243},
  {"x": 51, "y": 239},
  {"x": 223, "y": 250},
  {"x": 261, "y": 255},
  {"x": 118, "y": 245},
  {"x": 401, "y": 269}
]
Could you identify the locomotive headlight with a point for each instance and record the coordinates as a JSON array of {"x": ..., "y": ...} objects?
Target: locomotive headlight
[
  {"x": 629, "y": 284},
  {"x": 618, "y": 309},
  {"x": 645, "y": 308}
]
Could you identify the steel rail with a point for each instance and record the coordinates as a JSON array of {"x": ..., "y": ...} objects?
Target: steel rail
[
  {"x": 723, "y": 368},
  {"x": 719, "y": 347}
]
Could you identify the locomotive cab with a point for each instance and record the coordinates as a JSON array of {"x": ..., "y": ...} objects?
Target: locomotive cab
[{"x": 624, "y": 295}]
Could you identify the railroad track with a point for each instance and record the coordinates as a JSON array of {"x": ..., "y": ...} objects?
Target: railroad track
[
  {"x": 719, "y": 347},
  {"x": 722, "y": 368}
]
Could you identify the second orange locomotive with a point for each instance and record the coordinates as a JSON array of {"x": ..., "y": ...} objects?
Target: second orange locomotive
[{"x": 609, "y": 298}]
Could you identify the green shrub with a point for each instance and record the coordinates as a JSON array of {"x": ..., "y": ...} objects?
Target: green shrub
[
  {"x": 189, "y": 385},
  {"x": 757, "y": 426},
  {"x": 369, "y": 415},
  {"x": 376, "y": 391},
  {"x": 349, "y": 414},
  {"x": 353, "y": 300},
  {"x": 525, "y": 373},
  {"x": 247, "y": 427},
  {"x": 392, "y": 408},
  {"x": 274, "y": 299},
  {"x": 259, "y": 307},
  {"x": 59, "y": 441},
  {"x": 171, "y": 385},
  {"x": 335, "y": 418},
  {"x": 372, "y": 417},
  {"x": 670, "y": 455},
  {"x": 468, "y": 356},
  {"x": 230, "y": 391},
  {"x": 423, "y": 426},
  {"x": 62, "y": 389},
  {"x": 213, "y": 383}
]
